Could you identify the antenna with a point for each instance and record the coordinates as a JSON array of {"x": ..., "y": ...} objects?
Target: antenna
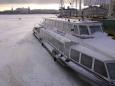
[
  {"x": 76, "y": 4},
  {"x": 80, "y": 1},
  {"x": 61, "y": 3}
]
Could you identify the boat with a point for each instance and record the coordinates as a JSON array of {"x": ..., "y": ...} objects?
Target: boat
[{"x": 81, "y": 45}]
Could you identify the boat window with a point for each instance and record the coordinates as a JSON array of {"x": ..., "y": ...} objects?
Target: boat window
[
  {"x": 86, "y": 60},
  {"x": 38, "y": 30},
  {"x": 111, "y": 70},
  {"x": 56, "y": 24},
  {"x": 94, "y": 29},
  {"x": 70, "y": 26},
  {"x": 61, "y": 24},
  {"x": 57, "y": 43},
  {"x": 46, "y": 36},
  {"x": 45, "y": 22},
  {"x": 83, "y": 30},
  {"x": 65, "y": 25},
  {"x": 52, "y": 22},
  {"x": 99, "y": 67},
  {"x": 76, "y": 29},
  {"x": 75, "y": 55},
  {"x": 48, "y": 22}
]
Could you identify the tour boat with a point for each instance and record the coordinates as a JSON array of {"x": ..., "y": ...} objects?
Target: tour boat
[{"x": 81, "y": 45}]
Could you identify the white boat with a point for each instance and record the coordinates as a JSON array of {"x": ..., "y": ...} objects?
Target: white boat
[{"x": 82, "y": 46}]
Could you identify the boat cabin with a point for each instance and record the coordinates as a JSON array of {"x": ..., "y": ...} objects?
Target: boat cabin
[
  {"x": 59, "y": 42},
  {"x": 76, "y": 27},
  {"x": 92, "y": 58},
  {"x": 96, "y": 63}
]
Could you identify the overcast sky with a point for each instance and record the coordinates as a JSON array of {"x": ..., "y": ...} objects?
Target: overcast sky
[
  {"x": 33, "y": 4},
  {"x": 28, "y": 1}
]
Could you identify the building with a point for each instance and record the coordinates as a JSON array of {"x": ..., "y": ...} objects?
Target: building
[
  {"x": 112, "y": 10},
  {"x": 23, "y": 10},
  {"x": 95, "y": 12},
  {"x": 69, "y": 12},
  {"x": 109, "y": 5},
  {"x": 113, "y": 7}
]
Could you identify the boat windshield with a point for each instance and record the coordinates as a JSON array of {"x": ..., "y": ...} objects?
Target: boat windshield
[
  {"x": 111, "y": 70},
  {"x": 95, "y": 29},
  {"x": 83, "y": 30}
]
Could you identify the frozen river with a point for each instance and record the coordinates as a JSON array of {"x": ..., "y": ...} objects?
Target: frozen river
[{"x": 23, "y": 61}]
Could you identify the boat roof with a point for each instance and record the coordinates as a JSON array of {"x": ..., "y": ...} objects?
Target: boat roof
[
  {"x": 75, "y": 21},
  {"x": 89, "y": 52},
  {"x": 92, "y": 53},
  {"x": 102, "y": 48},
  {"x": 60, "y": 38}
]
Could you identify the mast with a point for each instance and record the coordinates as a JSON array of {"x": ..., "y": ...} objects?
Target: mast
[
  {"x": 79, "y": 5},
  {"x": 80, "y": 2},
  {"x": 76, "y": 7},
  {"x": 61, "y": 8},
  {"x": 61, "y": 3},
  {"x": 110, "y": 9}
]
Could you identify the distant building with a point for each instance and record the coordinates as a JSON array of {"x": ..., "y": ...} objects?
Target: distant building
[
  {"x": 109, "y": 5},
  {"x": 95, "y": 11},
  {"x": 28, "y": 11},
  {"x": 44, "y": 11},
  {"x": 23, "y": 10},
  {"x": 112, "y": 7},
  {"x": 69, "y": 12}
]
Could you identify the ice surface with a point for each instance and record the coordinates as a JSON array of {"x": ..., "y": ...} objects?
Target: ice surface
[{"x": 23, "y": 61}]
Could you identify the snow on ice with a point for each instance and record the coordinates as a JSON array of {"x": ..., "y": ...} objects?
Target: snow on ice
[{"x": 23, "y": 61}]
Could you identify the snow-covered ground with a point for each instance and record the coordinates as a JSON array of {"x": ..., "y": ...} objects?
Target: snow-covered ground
[{"x": 23, "y": 61}]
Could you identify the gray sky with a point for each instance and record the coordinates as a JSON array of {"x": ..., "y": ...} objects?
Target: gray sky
[
  {"x": 34, "y": 4},
  {"x": 28, "y": 1}
]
